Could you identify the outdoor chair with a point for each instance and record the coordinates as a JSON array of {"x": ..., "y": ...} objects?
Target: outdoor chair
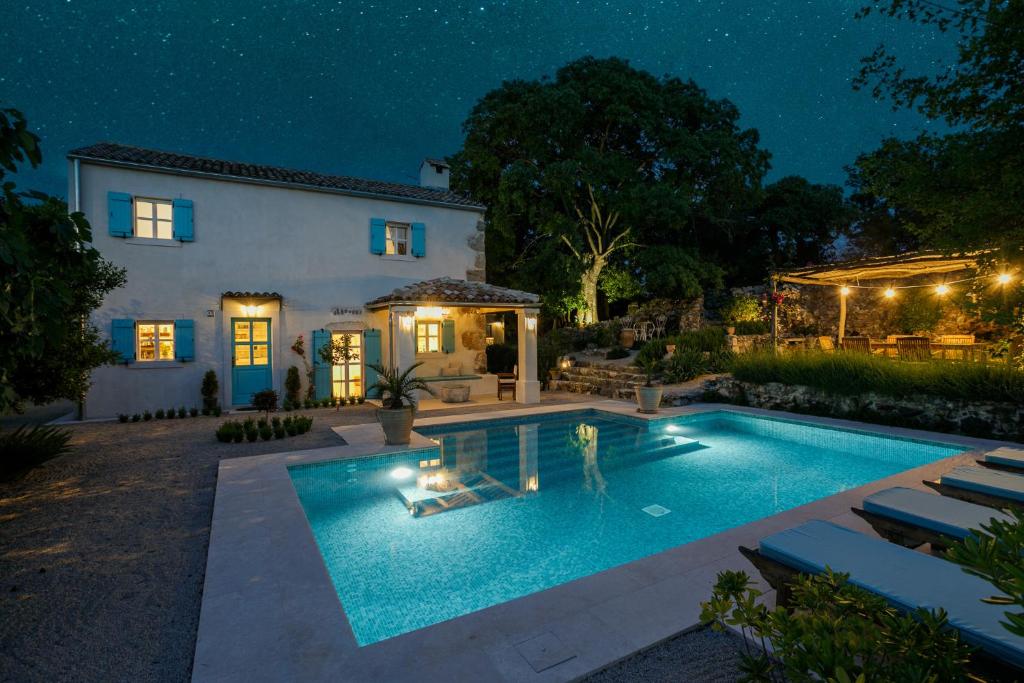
[
  {"x": 826, "y": 344},
  {"x": 1004, "y": 458},
  {"x": 857, "y": 344},
  {"x": 982, "y": 486},
  {"x": 906, "y": 578},
  {"x": 964, "y": 340},
  {"x": 914, "y": 348},
  {"x": 911, "y": 517},
  {"x": 659, "y": 325},
  {"x": 507, "y": 382}
]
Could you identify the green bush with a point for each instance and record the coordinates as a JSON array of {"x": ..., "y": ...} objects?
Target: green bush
[
  {"x": 654, "y": 350},
  {"x": 171, "y": 412},
  {"x": 182, "y": 412},
  {"x": 279, "y": 432},
  {"x": 292, "y": 385},
  {"x": 740, "y": 309},
  {"x": 615, "y": 353},
  {"x": 752, "y": 327},
  {"x": 122, "y": 418},
  {"x": 26, "y": 447},
  {"x": 266, "y": 433},
  {"x": 226, "y": 432},
  {"x": 501, "y": 357},
  {"x": 209, "y": 389},
  {"x": 835, "y": 631},
  {"x": 683, "y": 366},
  {"x": 706, "y": 339},
  {"x": 854, "y": 373},
  {"x": 265, "y": 401},
  {"x": 136, "y": 417},
  {"x": 147, "y": 416},
  {"x": 193, "y": 411},
  {"x": 160, "y": 414},
  {"x": 360, "y": 400}
]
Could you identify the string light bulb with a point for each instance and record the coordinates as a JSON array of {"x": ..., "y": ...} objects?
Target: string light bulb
[
  {"x": 890, "y": 293},
  {"x": 942, "y": 290},
  {"x": 844, "y": 290},
  {"x": 1004, "y": 278}
]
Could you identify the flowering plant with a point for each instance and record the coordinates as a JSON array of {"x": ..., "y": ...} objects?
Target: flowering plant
[{"x": 299, "y": 347}]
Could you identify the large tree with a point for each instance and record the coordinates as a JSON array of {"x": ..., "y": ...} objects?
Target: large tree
[
  {"x": 962, "y": 191},
  {"x": 51, "y": 279},
  {"x": 606, "y": 164}
]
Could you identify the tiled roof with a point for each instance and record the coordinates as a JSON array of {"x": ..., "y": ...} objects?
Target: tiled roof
[
  {"x": 111, "y": 152},
  {"x": 251, "y": 295},
  {"x": 446, "y": 290}
]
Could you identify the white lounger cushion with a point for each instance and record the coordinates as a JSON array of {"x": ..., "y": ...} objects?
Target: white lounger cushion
[
  {"x": 994, "y": 482},
  {"x": 947, "y": 516},
  {"x": 1011, "y": 457},
  {"x": 906, "y": 578}
]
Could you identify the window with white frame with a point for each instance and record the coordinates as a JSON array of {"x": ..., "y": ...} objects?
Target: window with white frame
[
  {"x": 154, "y": 340},
  {"x": 428, "y": 336},
  {"x": 153, "y": 218},
  {"x": 396, "y": 239}
]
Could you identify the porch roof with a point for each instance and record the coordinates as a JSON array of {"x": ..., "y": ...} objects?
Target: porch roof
[
  {"x": 453, "y": 292},
  {"x": 895, "y": 267}
]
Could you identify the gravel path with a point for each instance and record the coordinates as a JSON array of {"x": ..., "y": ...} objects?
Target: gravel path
[
  {"x": 103, "y": 550},
  {"x": 700, "y": 656}
]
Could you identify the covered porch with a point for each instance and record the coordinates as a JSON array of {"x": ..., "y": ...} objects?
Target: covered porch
[{"x": 446, "y": 324}]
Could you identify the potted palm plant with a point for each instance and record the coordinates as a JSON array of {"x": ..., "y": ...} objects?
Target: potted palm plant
[
  {"x": 397, "y": 388},
  {"x": 648, "y": 396}
]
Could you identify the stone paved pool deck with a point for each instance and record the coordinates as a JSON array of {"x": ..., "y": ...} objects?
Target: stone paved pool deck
[{"x": 270, "y": 611}]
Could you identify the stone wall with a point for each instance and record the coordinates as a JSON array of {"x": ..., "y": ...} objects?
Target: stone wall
[{"x": 981, "y": 419}]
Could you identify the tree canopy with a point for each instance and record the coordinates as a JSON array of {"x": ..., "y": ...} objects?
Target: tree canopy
[
  {"x": 52, "y": 279},
  {"x": 611, "y": 176}
]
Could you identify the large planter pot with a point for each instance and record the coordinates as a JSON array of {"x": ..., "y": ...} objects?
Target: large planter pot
[
  {"x": 396, "y": 423},
  {"x": 648, "y": 399},
  {"x": 627, "y": 337}
]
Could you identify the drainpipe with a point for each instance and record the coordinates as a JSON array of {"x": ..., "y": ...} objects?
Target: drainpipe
[
  {"x": 391, "y": 337},
  {"x": 76, "y": 176}
]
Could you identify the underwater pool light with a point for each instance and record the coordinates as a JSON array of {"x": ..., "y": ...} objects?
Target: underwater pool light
[{"x": 401, "y": 473}]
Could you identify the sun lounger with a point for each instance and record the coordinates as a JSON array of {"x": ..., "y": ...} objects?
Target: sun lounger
[
  {"x": 912, "y": 517},
  {"x": 1009, "y": 459},
  {"x": 982, "y": 486},
  {"x": 906, "y": 578}
]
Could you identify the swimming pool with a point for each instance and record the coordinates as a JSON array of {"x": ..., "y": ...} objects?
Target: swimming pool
[{"x": 507, "y": 507}]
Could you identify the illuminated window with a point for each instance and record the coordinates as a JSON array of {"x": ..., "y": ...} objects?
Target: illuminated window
[
  {"x": 153, "y": 218},
  {"x": 428, "y": 336},
  {"x": 155, "y": 340},
  {"x": 396, "y": 239}
]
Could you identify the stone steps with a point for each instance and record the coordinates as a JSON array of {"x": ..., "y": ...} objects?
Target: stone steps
[{"x": 603, "y": 379}]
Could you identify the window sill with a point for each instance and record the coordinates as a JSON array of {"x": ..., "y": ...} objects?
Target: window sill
[
  {"x": 155, "y": 364},
  {"x": 398, "y": 257},
  {"x": 152, "y": 242}
]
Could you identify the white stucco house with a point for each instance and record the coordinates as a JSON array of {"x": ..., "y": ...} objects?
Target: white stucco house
[{"x": 228, "y": 264}]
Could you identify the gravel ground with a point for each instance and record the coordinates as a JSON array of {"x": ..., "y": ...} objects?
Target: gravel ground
[
  {"x": 103, "y": 550},
  {"x": 700, "y": 656}
]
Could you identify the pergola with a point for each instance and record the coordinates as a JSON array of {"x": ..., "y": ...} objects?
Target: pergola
[{"x": 847, "y": 275}]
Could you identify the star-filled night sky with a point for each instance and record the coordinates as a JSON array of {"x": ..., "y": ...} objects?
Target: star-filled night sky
[{"x": 370, "y": 88}]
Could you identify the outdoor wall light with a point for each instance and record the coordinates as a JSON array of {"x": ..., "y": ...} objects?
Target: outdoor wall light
[
  {"x": 844, "y": 290},
  {"x": 890, "y": 293},
  {"x": 942, "y": 290},
  {"x": 431, "y": 312},
  {"x": 251, "y": 310},
  {"x": 406, "y": 321},
  {"x": 531, "y": 322}
]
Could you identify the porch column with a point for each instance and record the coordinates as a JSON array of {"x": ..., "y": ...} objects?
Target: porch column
[
  {"x": 527, "y": 386},
  {"x": 404, "y": 341}
]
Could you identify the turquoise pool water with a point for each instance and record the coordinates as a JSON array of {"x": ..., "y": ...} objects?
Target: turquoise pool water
[{"x": 508, "y": 507}]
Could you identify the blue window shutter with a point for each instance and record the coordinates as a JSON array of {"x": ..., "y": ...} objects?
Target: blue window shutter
[
  {"x": 376, "y": 235},
  {"x": 122, "y": 338},
  {"x": 321, "y": 368},
  {"x": 184, "y": 340},
  {"x": 181, "y": 217},
  {"x": 419, "y": 239},
  {"x": 119, "y": 209},
  {"x": 371, "y": 356},
  {"x": 448, "y": 336}
]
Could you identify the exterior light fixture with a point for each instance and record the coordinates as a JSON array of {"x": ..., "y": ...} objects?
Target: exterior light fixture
[
  {"x": 431, "y": 312},
  {"x": 531, "y": 322},
  {"x": 1004, "y": 278},
  {"x": 406, "y": 321},
  {"x": 942, "y": 290},
  {"x": 251, "y": 310},
  {"x": 890, "y": 293},
  {"x": 844, "y": 290}
]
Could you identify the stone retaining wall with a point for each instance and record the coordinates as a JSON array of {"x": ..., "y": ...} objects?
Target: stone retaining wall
[{"x": 980, "y": 419}]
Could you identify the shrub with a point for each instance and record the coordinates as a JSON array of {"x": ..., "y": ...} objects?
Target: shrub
[
  {"x": 279, "y": 432},
  {"x": 741, "y": 308},
  {"x": 289, "y": 427},
  {"x": 275, "y": 421},
  {"x": 307, "y": 404},
  {"x": 501, "y": 357},
  {"x": 705, "y": 339},
  {"x": 266, "y": 433},
  {"x": 292, "y": 385},
  {"x": 851, "y": 374},
  {"x": 182, "y": 412},
  {"x": 122, "y": 418},
  {"x": 684, "y": 365},
  {"x": 261, "y": 423},
  {"x": 171, "y": 412},
  {"x": 360, "y": 400},
  {"x": 752, "y": 327},
  {"x": 835, "y": 631},
  {"x": 159, "y": 414},
  {"x": 351, "y": 400},
  {"x": 209, "y": 389},
  {"x": 265, "y": 401},
  {"x": 654, "y": 350},
  {"x": 719, "y": 361},
  {"x": 136, "y": 417},
  {"x": 27, "y": 447},
  {"x": 616, "y": 353},
  {"x": 193, "y": 411},
  {"x": 334, "y": 401},
  {"x": 147, "y": 416},
  {"x": 238, "y": 433},
  {"x": 251, "y": 435},
  {"x": 225, "y": 433}
]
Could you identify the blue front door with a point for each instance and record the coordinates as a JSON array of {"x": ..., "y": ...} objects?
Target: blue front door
[{"x": 250, "y": 358}]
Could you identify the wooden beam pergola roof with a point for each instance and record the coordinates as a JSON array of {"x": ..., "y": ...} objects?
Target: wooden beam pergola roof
[{"x": 898, "y": 267}]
